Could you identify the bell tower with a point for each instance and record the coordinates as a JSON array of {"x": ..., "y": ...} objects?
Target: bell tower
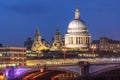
[
  {"x": 37, "y": 44},
  {"x": 57, "y": 40}
]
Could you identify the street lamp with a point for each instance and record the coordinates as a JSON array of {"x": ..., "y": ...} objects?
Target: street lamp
[
  {"x": 93, "y": 47},
  {"x": 38, "y": 56},
  {"x": 64, "y": 53}
]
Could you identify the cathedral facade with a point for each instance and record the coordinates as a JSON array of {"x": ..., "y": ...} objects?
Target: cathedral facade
[
  {"x": 77, "y": 34},
  {"x": 77, "y": 37}
]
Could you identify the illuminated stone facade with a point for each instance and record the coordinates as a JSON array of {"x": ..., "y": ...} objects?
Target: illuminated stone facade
[
  {"x": 37, "y": 44},
  {"x": 77, "y": 34},
  {"x": 57, "y": 41},
  {"x": 106, "y": 44},
  {"x": 13, "y": 56}
]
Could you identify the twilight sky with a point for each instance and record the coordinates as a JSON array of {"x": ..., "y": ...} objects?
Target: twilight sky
[{"x": 19, "y": 18}]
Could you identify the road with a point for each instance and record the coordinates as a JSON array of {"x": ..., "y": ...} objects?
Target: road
[
  {"x": 55, "y": 77},
  {"x": 33, "y": 76},
  {"x": 47, "y": 75}
]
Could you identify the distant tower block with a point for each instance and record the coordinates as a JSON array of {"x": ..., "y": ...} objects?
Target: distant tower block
[
  {"x": 57, "y": 41},
  {"x": 28, "y": 44},
  {"x": 37, "y": 44}
]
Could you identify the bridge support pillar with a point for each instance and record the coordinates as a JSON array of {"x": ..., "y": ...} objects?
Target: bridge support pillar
[{"x": 84, "y": 68}]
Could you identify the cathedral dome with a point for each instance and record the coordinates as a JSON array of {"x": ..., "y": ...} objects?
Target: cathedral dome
[
  {"x": 77, "y": 24},
  {"x": 77, "y": 34}
]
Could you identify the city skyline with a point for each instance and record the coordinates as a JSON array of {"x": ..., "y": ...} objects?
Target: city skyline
[{"x": 19, "y": 19}]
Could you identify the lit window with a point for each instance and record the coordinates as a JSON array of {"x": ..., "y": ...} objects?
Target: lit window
[
  {"x": 101, "y": 46},
  {"x": 118, "y": 45}
]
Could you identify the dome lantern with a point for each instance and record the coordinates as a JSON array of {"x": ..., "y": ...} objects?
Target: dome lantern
[{"x": 77, "y": 13}]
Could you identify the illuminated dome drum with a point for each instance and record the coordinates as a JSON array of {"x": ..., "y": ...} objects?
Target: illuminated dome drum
[{"x": 77, "y": 34}]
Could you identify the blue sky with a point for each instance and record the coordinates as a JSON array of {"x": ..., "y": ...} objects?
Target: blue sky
[{"x": 19, "y": 18}]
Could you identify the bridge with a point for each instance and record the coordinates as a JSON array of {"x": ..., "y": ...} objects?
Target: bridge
[{"x": 82, "y": 69}]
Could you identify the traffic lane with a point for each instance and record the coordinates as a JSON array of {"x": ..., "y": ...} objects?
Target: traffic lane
[
  {"x": 49, "y": 75},
  {"x": 55, "y": 77},
  {"x": 38, "y": 75},
  {"x": 29, "y": 75}
]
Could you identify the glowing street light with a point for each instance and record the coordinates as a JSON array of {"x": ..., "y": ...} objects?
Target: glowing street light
[
  {"x": 41, "y": 70},
  {"x": 64, "y": 53},
  {"x": 2, "y": 77},
  {"x": 93, "y": 47}
]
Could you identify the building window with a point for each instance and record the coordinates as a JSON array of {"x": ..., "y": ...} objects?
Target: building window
[
  {"x": 12, "y": 54},
  {"x": 118, "y": 45},
  {"x": 101, "y": 46}
]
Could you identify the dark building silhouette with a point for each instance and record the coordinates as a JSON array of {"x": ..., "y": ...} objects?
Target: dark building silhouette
[
  {"x": 0, "y": 45},
  {"x": 28, "y": 43}
]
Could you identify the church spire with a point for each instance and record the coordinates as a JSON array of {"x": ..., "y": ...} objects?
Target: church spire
[
  {"x": 37, "y": 31},
  {"x": 77, "y": 12},
  {"x": 58, "y": 31},
  {"x": 37, "y": 44},
  {"x": 37, "y": 37}
]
